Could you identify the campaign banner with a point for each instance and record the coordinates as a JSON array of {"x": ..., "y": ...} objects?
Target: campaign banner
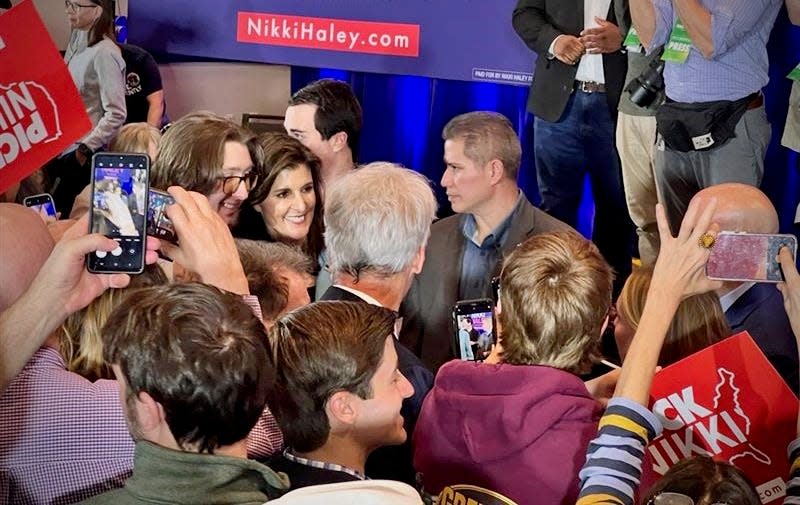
[
  {"x": 729, "y": 403},
  {"x": 41, "y": 112},
  {"x": 470, "y": 40}
]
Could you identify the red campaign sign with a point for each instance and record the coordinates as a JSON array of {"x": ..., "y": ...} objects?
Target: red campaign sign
[
  {"x": 348, "y": 35},
  {"x": 729, "y": 403},
  {"x": 41, "y": 112}
]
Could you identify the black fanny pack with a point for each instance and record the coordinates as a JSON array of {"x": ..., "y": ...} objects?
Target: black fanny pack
[{"x": 700, "y": 126}]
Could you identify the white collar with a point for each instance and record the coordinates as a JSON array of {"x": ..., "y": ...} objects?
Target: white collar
[{"x": 729, "y": 298}]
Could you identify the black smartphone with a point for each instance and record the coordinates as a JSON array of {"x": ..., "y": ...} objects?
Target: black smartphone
[
  {"x": 748, "y": 256},
  {"x": 496, "y": 290},
  {"x": 158, "y": 224},
  {"x": 473, "y": 329},
  {"x": 43, "y": 204},
  {"x": 120, "y": 184}
]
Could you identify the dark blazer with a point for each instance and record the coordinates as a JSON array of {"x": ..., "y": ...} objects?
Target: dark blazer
[
  {"x": 760, "y": 312},
  {"x": 427, "y": 309},
  {"x": 395, "y": 463},
  {"x": 538, "y": 23}
]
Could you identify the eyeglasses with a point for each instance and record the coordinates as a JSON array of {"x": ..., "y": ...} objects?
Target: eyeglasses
[
  {"x": 231, "y": 183},
  {"x": 76, "y": 7},
  {"x": 674, "y": 499}
]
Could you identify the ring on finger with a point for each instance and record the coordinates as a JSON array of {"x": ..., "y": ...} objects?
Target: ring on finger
[{"x": 707, "y": 240}]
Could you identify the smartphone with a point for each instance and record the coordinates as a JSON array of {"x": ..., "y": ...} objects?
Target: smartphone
[
  {"x": 748, "y": 256},
  {"x": 158, "y": 224},
  {"x": 473, "y": 325},
  {"x": 120, "y": 185},
  {"x": 496, "y": 290},
  {"x": 43, "y": 205}
]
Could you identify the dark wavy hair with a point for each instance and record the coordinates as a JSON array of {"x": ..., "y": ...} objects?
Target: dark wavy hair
[{"x": 706, "y": 482}]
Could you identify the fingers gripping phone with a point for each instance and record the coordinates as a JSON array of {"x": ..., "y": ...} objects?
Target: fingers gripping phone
[
  {"x": 120, "y": 184},
  {"x": 748, "y": 256},
  {"x": 43, "y": 204},
  {"x": 158, "y": 224},
  {"x": 473, "y": 322}
]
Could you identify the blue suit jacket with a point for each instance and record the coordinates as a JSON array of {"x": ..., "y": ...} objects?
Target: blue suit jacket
[{"x": 760, "y": 312}]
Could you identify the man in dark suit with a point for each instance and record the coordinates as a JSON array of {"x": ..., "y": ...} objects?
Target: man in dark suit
[
  {"x": 580, "y": 72},
  {"x": 377, "y": 221},
  {"x": 482, "y": 154},
  {"x": 749, "y": 306}
]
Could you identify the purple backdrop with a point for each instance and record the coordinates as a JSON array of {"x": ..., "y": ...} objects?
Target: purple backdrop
[{"x": 470, "y": 40}]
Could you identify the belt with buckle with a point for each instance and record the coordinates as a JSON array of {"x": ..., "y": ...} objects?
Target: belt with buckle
[{"x": 590, "y": 87}]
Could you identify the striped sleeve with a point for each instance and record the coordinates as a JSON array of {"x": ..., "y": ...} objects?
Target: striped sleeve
[
  {"x": 614, "y": 460},
  {"x": 793, "y": 486}
]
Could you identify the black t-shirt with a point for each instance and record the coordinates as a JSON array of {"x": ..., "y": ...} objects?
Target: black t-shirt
[{"x": 141, "y": 79}]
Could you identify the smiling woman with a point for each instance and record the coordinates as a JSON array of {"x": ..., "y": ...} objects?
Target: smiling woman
[{"x": 285, "y": 203}]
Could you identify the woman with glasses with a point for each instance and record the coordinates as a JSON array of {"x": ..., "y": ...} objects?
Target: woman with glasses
[
  {"x": 613, "y": 467},
  {"x": 97, "y": 67},
  {"x": 285, "y": 205},
  {"x": 212, "y": 155}
]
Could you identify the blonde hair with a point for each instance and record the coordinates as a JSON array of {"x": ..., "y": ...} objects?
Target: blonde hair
[
  {"x": 81, "y": 343},
  {"x": 698, "y": 323},
  {"x": 135, "y": 138},
  {"x": 555, "y": 294}
]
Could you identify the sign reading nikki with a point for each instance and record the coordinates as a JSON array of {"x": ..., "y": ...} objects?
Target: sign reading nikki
[
  {"x": 726, "y": 402},
  {"x": 41, "y": 112}
]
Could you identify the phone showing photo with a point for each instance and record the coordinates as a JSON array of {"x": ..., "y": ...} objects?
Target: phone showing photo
[
  {"x": 748, "y": 256},
  {"x": 473, "y": 323},
  {"x": 158, "y": 224},
  {"x": 119, "y": 206},
  {"x": 43, "y": 204}
]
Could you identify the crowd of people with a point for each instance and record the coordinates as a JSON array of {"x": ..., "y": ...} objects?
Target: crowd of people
[{"x": 296, "y": 341}]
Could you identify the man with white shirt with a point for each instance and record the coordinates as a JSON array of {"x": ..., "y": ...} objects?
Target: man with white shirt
[
  {"x": 754, "y": 307},
  {"x": 377, "y": 223},
  {"x": 579, "y": 75}
]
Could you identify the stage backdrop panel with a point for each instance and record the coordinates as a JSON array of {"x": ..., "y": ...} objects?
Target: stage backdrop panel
[{"x": 469, "y": 40}]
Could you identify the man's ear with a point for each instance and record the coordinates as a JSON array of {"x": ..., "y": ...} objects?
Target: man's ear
[
  {"x": 338, "y": 141},
  {"x": 419, "y": 261},
  {"x": 149, "y": 413},
  {"x": 342, "y": 409},
  {"x": 497, "y": 171}
]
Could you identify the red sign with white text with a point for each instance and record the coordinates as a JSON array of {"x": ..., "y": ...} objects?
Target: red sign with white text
[
  {"x": 348, "y": 35},
  {"x": 41, "y": 112},
  {"x": 729, "y": 403}
]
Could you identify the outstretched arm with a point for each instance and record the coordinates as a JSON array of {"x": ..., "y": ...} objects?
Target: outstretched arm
[{"x": 628, "y": 425}]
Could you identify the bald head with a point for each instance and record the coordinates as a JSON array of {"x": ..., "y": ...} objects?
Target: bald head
[
  {"x": 25, "y": 244},
  {"x": 741, "y": 208}
]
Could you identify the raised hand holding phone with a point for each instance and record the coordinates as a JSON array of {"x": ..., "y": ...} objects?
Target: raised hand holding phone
[{"x": 205, "y": 244}]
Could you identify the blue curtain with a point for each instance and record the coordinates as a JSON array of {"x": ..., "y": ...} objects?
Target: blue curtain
[{"x": 404, "y": 117}]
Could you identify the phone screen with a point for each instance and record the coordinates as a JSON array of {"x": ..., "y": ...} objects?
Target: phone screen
[
  {"x": 43, "y": 205},
  {"x": 748, "y": 256},
  {"x": 474, "y": 329},
  {"x": 119, "y": 206},
  {"x": 158, "y": 224}
]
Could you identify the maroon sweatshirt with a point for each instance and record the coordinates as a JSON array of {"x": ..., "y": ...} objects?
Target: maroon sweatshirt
[{"x": 521, "y": 431}]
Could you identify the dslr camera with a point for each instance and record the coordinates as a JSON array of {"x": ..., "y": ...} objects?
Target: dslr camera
[{"x": 645, "y": 88}]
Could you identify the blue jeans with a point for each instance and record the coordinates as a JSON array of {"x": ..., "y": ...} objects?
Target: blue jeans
[{"x": 582, "y": 141}]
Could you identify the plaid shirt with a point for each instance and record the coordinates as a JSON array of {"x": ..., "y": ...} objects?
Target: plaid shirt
[
  {"x": 323, "y": 465},
  {"x": 64, "y": 439}
]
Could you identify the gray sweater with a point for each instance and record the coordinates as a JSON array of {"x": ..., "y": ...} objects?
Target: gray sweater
[{"x": 99, "y": 75}]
